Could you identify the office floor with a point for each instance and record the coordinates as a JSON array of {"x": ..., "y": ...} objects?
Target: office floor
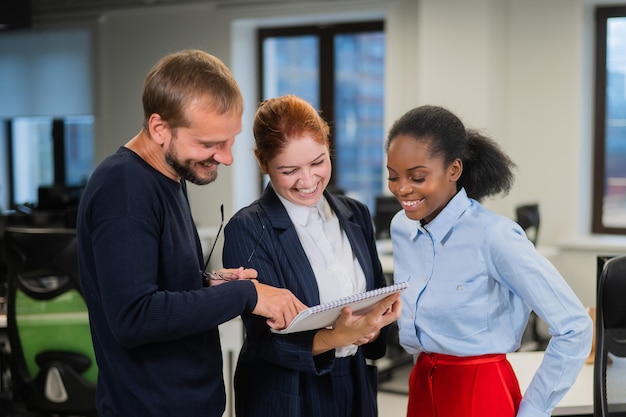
[
  {"x": 392, "y": 393},
  {"x": 391, "y": 405}
]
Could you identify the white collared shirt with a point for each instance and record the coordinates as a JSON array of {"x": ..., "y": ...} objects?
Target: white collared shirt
[{"x": 337, "y": 270}]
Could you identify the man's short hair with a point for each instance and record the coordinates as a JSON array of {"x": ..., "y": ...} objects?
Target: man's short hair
[{"x": 182, "y": 77}]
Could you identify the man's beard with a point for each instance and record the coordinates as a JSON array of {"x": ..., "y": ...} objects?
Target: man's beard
[{"x": 187, "y": 172}]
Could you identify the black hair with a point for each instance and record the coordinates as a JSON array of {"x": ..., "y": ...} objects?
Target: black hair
[{"x": 487, "y": 170}]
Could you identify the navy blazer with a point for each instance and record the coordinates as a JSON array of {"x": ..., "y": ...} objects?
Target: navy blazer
[{"x": 277, "y": 375}]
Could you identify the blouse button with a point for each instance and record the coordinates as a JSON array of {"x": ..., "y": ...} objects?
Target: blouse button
[{"x": 459, "y": 287}]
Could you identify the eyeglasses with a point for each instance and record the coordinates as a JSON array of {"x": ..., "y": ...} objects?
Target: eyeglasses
[{"x": 229, "y": 276}]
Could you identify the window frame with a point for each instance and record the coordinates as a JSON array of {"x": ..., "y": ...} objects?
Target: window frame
[
  {"x": 58, "y": 136},
  {"x": 602, "y": 14},
  {"x": 326, "y": 33}
]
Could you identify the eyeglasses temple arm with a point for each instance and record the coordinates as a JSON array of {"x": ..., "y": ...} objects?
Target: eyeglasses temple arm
[{"x": 208, "y": 259}]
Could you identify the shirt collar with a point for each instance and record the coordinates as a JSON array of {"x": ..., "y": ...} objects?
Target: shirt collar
[
  {"x": 301, "y": 214},
  {"x": 441, "y": 225}
]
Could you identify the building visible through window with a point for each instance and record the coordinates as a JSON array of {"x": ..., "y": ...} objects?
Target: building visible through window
[{"x": 339, "y": 69}]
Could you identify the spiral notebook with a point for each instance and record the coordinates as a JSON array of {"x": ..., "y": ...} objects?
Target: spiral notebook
[{"x": 325, "y": 314}]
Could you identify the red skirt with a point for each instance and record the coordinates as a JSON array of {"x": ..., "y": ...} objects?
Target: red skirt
[{"x": 453, "y": 386}]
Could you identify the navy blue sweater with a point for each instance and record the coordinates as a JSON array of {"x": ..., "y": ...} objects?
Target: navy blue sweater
[{"x": 153, "y": 323}]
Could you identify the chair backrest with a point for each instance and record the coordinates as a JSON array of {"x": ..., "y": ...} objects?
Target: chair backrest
[
  {"x": 52, "y": 360},
  {"x": 610, "y": 355},
  {"x": 386, "y": 207},
  {"x": 528, "y": 217}
]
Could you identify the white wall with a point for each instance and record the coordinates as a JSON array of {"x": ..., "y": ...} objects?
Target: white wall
[
  {"x": 45, "y": 75},
  {"x": 129, "y": 43},
  {"x": 517, "y": 68}
]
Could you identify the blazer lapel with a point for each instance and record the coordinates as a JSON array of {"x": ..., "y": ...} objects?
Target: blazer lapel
[
  {"x": 290, "y": 243},
  {"x": 355, "y": 234}
]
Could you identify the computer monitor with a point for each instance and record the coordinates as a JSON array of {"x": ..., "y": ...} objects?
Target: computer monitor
[
  {"x": 58, "y": 203},
  {"x": 58, "y": 197}
]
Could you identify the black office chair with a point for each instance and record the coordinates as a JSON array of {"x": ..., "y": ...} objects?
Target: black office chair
[
  {"x": 610, "y": 347},
  {"x": 527, "y": 216},
  {"x": 52, "y": 361},
  {"x": 386, "y": 207}
]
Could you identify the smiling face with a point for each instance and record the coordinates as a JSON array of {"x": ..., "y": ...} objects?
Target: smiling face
[
  {"x": 420, "y": 182},
  {"x": 301, "y": 171},
  {"x": 194, "y": 152}
]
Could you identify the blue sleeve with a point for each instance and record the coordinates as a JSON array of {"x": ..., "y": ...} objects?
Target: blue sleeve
[{"x": 515, "y": 261}]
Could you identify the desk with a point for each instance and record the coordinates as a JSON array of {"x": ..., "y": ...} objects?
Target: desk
[{"x": 577, "y": 401}]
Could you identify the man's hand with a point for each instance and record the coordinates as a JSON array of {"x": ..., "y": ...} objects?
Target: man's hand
[{"x": 279, "y": 305}]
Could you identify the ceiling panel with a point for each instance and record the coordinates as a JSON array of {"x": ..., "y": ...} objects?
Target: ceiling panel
[{"x": 43, "y": 7}]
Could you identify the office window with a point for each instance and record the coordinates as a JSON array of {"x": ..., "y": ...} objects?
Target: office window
[
  {"x": 609, "y": 184},
  {"x": 4, "y": 166},
  {"x": 47, "y": 152},
  {"x": 45, "y": 90},
  {"x": 78, "y": 134},
  {"x": 31, "y": 157},
  {"x": 339, "y": 69}
]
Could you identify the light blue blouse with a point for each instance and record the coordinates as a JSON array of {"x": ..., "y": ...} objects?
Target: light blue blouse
[{"x": 474, "y": 278}]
